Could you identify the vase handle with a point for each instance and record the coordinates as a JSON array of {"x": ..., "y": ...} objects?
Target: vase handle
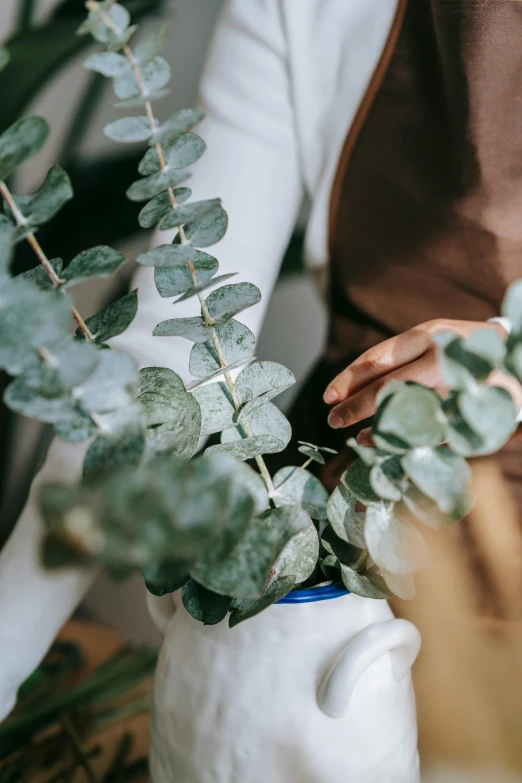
[
  {"x": 161, "y": 609},
  {"x": 398, "y": 638}
]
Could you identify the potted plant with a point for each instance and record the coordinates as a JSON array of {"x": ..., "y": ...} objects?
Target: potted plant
[{"x": 316, "y": 687}]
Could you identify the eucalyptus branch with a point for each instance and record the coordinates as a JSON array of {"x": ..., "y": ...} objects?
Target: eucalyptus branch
[
  {"x": 92, "y": 5},
  {"x": 42, "y": 258}
]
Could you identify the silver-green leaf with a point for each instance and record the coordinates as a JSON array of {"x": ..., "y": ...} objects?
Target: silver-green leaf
[
  {"x": 180, "y": 122},
  {"x": 99, "y": 261},
  {"x": 300, "y": 488},
  {"x": 109, "y": 64},
  {"x": 229, "y": 300},
  {"x": 129, "y": 130},
  {"x": 392, "y": 544},
  {"x": 114, "y": 319},
  {"x": 237, "y": 344},
  {"x": 20, "y": 142}
]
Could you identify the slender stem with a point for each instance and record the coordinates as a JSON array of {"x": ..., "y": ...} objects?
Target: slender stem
[
  {"x": 93, "y": 6},
  {"x": 78, "y": 748},
  {"x": 42, "y": 258}
]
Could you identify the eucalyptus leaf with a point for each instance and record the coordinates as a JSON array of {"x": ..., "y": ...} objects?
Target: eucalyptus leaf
[
  {"x": 401, "y": 585},
  {"x": 246, "y": 609},
  {"x": 109, "y": 64},
  {"x": 166, "y": 577},
  {"x": 461, "y": 366},
  {"x": 347, "y": 523},
  {"x": 39, "y": 276},
  {"x": 300, "y": 488},
  {"x": 360, "y": 584},
  {"x": 488, "y": 344},
  {"x": 154, "y": 75},
  {"x": 111, "y": 385},
  {"x": 312, "y": 454},
  {"x": 331, "y": 568},
  {"x": 129, "y": 130},
  {"x": 218, "y": 373},
  {"x": 237, "y": 344},
  {"x": 299, "y": 557},
  {"x": 414, "y": 414},
  {"x": 368, "y": 454},
  {"x": 114, "y": 318},
  {"x": 22, "y": 399},
  {"x": 141, "y": 100},
  {"x": 20, "y": 142},
  {"x": 158, "y": 390},
  {"x": 197, "y": 289},
  {"x": 174, "y": 280},
  {"x": 178, "y": 437},
  {"x": 248, "y": 448},
  {"x": 387, "y": 487},
  {"x": 254, "y": 484},
  {"x": 193, "y": 328},
  {"x": 229, "y": 300},
  {"x": 189, "y": 212},
  {"x": 151, "y": 44},
  {"x": 99, "y": 261},
  {"x": 392, "y": 544},
  {"x": 442, "y": 476},
  {"x": 357, "y": 480},
  {"x": 148, "y": 187},
  {"x": 154, "y": 210},
  {"x": 40, "y": 207},
  {"x": 209, "y": 230},
  {"x": 512, "y": 306},
  {"x": 268, "y": 420},
  {"x": 170, "y": 256},
  {"x": 76, "y": 428},
  {"x": 416, "y": 505},
  {"x": 61, "y": 366},
  {"x": 262, "y": 379},
  {"x": 203, "y": 605},
  {"x": 345, "y": 553},
  {"x": 217, "y": 408},
  {"x": 178, "y": 152},
  {"x": 159, "y": 206},
  {"x": 29, "y": 318},
  {"x": 172, "y": 414},
  {"x": 114, "y": 36},
  {"x": 490, "y": 412},
  {"x": 108, "y": 452},
  {"x": 245, "y": 573},
  {"x": 180, "y": 122}
]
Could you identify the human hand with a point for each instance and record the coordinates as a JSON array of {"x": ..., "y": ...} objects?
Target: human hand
[{"x": 410, "y": 356}]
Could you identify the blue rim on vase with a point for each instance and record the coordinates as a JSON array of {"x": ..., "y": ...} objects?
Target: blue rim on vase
[{"x": 314, "y": 594}]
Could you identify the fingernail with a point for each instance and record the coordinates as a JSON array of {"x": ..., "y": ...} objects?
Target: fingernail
[
  {"x": 335, "y": 421},
  {"x": 330, "y": 396}
]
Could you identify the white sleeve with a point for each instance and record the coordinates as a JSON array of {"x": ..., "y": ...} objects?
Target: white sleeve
[{"x": 252, "y": 164}]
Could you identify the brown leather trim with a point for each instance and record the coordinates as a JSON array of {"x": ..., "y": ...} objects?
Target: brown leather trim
[{"x": 361, "y": 116}]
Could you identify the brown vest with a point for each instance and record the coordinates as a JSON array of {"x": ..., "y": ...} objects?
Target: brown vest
[{"x": 426, "y": 208}]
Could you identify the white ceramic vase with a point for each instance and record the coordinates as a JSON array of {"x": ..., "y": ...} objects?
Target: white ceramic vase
[{"x": 315, "y": 691}]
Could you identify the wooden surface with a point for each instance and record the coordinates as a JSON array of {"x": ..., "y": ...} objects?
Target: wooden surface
[{"x": 97, "y": 644}]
